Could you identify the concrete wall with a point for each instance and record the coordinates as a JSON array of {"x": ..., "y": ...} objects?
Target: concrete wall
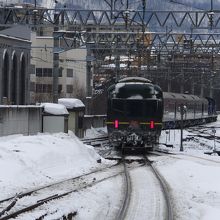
[
  {"x": 75, "y": 122},
  {"x": 55, "y": 123},
  {"x": 95, "y": 121},
  {"x": 25, "y": 120},
  {"x": 29, "y": 120}
]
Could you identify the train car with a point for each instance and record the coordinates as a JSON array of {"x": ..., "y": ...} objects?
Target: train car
[
  {"x": 137, "y": 111},
  {"x": 197, "y": 110},
  {"x": 134, "y": 113}
]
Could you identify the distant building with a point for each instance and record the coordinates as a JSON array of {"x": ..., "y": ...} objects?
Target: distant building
[
  {"x": 72, "y": 71},
  {"x": 15, "y": 65}
]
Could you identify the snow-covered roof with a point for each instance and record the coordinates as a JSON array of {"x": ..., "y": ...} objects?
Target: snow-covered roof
[
  {"x": 71, "y": 103},
  {"x": 55, "y": 109},
  {"x": 20, "y": 106}
]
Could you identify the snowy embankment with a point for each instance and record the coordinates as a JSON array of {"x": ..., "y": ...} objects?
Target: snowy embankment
[
  {"x": 32, "y": 161},
  {"x": 194, "y": 188},
  {"x": 193, "y": 176}
]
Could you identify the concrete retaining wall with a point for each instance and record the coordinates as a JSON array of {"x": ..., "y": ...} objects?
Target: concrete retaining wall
[
  {"x": 95, "y": 121},
  {"x": 15, "y": 119}
]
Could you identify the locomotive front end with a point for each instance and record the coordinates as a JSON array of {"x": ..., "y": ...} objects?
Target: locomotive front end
[{"x": 134, "y": 113}]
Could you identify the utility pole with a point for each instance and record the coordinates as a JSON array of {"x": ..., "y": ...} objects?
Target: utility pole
[
  {"x": 182, "y": 79},
  {"x": 55, "y": 59},
  {"x": 212, "y": 76},
  {"x": 143, "y": 31},
  {"x": 117, "y": 66},
  {"x": 89, "y": 82},
  {"x": 169, "y": 79},
  {"x": 202, "y": 84}
]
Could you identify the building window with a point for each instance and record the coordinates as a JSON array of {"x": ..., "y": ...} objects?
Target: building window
[
  {"x": 60, "y": 88},
  {"x": 44, "y": 72},
  {"x": 47, "y": 72},
  {"x": 69, "y": 72},
  {"x": 43, "y": 88},
  {"x": 39, "y": 72},
  {"x": 69, "y": 88},
  {"x": 60, "y": 72},
  {"x": 47, "y": 88},
  {"x": 39, "y": 88}
]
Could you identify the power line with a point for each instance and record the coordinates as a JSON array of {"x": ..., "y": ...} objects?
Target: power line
[{"x": 184, "y": 4}]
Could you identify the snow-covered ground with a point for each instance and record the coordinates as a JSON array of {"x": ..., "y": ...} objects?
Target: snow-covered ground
[
  {"x": 30, "y": 161},
  {"x": 194, "y": 182}
]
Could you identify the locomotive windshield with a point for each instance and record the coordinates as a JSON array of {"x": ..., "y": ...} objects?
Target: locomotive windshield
[{"x": 134, "y": 108}]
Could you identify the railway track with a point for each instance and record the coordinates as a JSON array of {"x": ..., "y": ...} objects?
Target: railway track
[
  {"x": 11, "y": 207},
  {"x": 98, "y": 141},
  {"x": 27, "y": 202},
  {"x": 182, "y": 156},
  {"x": 204, "y": 132},
  {"x": 129, "y": 204},
  {"x": 122, "y": 214},
  {"x": 165, "y": 188},
  {"x": 127, "y": 193},
  {"x": 203, "y": 135}
]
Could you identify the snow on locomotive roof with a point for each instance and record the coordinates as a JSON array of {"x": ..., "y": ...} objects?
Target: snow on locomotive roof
[{"x": 135, "y": 79}]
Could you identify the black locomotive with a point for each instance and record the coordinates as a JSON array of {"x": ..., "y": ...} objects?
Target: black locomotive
[{"x": 137, "y": 111}]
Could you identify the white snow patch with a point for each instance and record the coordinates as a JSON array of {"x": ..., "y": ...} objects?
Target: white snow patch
[
  {"x": 28, "y": 161},
  {"x": 70, "y": 103},
  {"x": 55, "y": 109}
]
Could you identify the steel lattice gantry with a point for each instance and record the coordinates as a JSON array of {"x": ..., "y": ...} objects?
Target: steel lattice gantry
[
  {"x": 162, "y": 30},
  {"x": 41, "y": 16},
  {"x": 159, "y": 42}
]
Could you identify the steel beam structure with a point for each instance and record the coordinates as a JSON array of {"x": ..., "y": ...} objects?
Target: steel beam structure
[
  {"x": 85, "y": 18},
  {"x": 161, "y": 30},
  {"x": 158, "y": 42}
]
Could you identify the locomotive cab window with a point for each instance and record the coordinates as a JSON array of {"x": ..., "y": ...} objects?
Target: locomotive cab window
[
  {"x": 144, "y": 108},
  {"x": 134, "y": 108}
]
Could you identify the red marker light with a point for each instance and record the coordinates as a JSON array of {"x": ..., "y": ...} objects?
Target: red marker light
[
  {"x": 116, "y": 123},
  {"x": 152, "y": 124}
]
